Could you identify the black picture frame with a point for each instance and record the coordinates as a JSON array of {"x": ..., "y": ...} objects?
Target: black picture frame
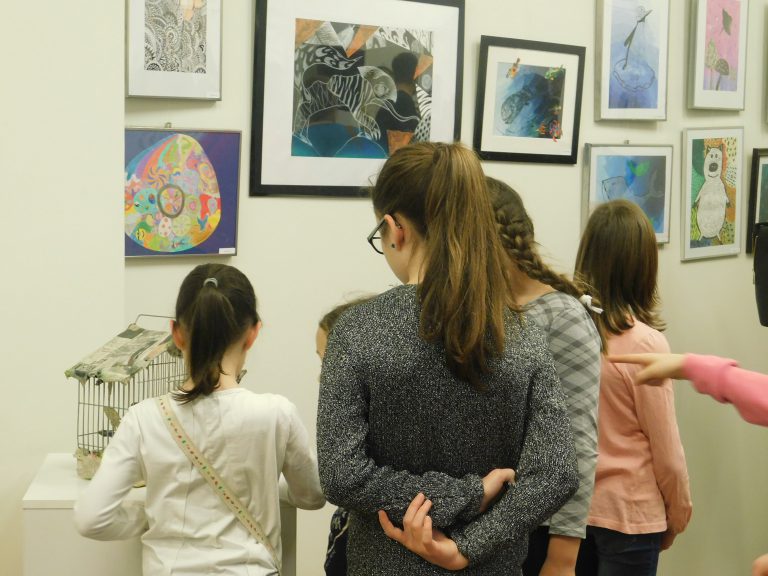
[
  {"x": 306, "y": 180},
  {"x": 531, "y": 66},
  {"x": 759, "y": 158}
]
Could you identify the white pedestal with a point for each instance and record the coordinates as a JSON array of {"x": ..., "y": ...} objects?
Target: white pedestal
[{"x": 53, "y": 546}]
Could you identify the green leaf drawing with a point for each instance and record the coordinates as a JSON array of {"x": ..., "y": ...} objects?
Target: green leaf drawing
[{"x": 727, "y": 21}]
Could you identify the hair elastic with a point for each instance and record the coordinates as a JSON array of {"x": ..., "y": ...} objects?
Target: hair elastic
[
  {"x": 586, "y": 300},
  {"x": 212, "y": 281}
]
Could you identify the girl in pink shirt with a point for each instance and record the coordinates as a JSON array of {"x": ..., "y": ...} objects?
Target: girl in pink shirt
[
  {"x": 718, "y": 377},
  {"x": 642, "y": 498}
]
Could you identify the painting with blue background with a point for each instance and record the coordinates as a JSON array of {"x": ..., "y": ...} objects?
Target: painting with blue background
[
  {"x": 639, "y": 179},
  {"x": 529, "y": 100}
]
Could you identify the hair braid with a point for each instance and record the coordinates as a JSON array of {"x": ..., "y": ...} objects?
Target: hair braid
[{"x": 515, "y": 229}]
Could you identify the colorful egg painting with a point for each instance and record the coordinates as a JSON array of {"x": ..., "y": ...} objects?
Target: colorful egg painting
[{"x": 172, "y": 199}]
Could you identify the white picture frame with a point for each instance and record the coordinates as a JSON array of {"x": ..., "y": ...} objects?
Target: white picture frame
[
  {"x": 718, "y": 59},
  {"x": 173, "y": 49},
  {"x": 641, "y": 174},
  {"x": 632, "y": 55},
  {"x": 713, "y": 168}
]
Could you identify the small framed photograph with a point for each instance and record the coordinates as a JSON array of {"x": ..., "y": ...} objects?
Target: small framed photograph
[
  {"x": 718, "y": 64},
  {"x": 181, "y": 192},
  {"x": 632, "y": 44},
  {"x": 640, "y": 174},
  {"x": 712, "y": 192},
  {"x": 340, "y": 85},
  {"x": 174, "y": 49},
  {"x": 528, "y": 100},
  {"x": 758, "y": 193}
]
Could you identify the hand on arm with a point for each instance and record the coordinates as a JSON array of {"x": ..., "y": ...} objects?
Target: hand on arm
[
  {"x": 421, "y": 538},
  {"x": 350, "y": 476},
  {"x": 546, "y": 478},
  {"x": 430, "y": 543}
]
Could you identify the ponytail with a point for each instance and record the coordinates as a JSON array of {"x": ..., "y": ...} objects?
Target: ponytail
[
  {"x": 466, "y": 294},
  {"x": 215, "y": 307}
]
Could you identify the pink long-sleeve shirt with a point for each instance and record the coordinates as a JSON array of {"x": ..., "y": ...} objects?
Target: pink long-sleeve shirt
[
  {"x": 641, "y": 480},
  {"x": 722, "y": 379}
]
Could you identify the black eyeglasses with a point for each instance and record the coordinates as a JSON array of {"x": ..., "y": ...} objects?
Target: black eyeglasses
[{"x": 374, "y": 240}]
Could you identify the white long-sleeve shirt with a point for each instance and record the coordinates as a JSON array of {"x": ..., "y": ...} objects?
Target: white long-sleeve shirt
[{"x": 186, "y": 529}]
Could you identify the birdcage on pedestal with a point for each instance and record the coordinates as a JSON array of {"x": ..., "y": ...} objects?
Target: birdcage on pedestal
[{"x": 134, "y": 365}]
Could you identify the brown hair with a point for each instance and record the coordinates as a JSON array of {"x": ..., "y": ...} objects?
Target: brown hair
[
  {"x": 466, "y": 292},
  {"x": 516, "y": 232},
  {"x": 215, "y": 307},
  {"x": 328, "y": 321},
  {"x": 619, "y": 258}
]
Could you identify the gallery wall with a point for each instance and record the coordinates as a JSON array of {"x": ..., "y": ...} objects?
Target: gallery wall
[
  {"x": 61, "y": 151},
  {"x": 61, "y": 285},
  {"x": 304, "y": 255}
]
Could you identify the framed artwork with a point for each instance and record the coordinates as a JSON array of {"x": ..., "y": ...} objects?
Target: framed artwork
[
  {"x": 640, "y": 174},
  {"x": 712, "y": 192},
  {"x": 341, "y": 85},
  {"x": 174, "y": 49},
  {"x": 181, "y": 192},
  {"x": 758, "y": 193},
  {"x": 528, "y": 100},
  {"x": 718, "y": 66},
  {"x": 633, "y": 39}
]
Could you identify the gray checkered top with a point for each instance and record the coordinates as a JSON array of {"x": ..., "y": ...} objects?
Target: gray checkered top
[{"x": 575, "y": 347}]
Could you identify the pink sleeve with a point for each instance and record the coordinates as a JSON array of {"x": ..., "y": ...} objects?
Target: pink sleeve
[
  {"x": 655, "y": 407},
  {"x": 726, "y": 382}
]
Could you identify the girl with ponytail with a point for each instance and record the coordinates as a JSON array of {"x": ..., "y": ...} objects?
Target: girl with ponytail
[
  {"x": 247, "y": 441},
  {"x": 437, "y": 394},
  {"x": 562, "y": 310}
]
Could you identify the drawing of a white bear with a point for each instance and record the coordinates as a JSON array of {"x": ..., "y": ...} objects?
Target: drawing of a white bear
[{"x": 712, "y": 199}]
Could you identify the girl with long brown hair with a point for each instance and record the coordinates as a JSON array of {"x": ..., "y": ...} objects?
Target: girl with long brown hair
[
  {"x": 562, "y": 310},
  {"x": 641, "y": 500},
  {"x": 433, "y": 392}
]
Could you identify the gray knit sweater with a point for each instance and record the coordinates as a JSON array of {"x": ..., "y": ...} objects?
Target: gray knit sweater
[{"x": 393, "y": 421}]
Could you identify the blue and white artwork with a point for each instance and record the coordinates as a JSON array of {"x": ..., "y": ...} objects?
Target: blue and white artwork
[
  {"x": 634, "y": 60},
  {"x": 529, "y": 100},
  {"x": 639, "y": 174}
]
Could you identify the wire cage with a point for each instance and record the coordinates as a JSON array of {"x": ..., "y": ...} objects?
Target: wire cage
[{"x": 134, "y": 365}]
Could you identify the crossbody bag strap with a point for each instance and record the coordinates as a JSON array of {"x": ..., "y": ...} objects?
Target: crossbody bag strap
[{"x": 212, "y": 477}]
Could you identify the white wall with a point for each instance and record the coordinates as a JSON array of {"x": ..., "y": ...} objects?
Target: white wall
[
  {"x": 61, "y": 284},
  {"x": 61, "y": 153}
]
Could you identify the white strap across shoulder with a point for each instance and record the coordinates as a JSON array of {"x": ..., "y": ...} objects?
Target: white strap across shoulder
[{"x": 211, "y": 476}]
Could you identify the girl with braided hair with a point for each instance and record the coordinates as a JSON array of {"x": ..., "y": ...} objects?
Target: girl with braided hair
[{"x": 551, "y": 301}]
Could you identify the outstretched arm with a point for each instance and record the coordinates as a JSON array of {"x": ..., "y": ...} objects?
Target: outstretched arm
[{"x": 718, "y": 377}]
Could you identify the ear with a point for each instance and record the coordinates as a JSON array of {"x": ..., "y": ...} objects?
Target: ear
[
  {"x": 251, "y": 335},
  {"x": 178, "y": 335},
  {"x": 395, "y": 232}
]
